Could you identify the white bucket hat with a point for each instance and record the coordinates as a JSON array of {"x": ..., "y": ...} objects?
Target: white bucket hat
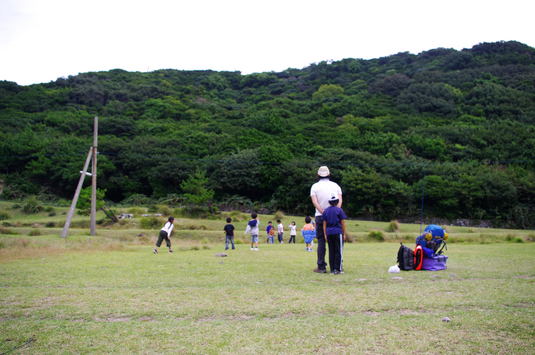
[{"x": 323, "y": 171}]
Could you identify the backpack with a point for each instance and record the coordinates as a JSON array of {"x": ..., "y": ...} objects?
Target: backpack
[
  {"x": 405, "y": 258},
  {"x": 433, "y": 240}
]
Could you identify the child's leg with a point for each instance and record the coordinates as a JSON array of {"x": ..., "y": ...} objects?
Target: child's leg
[
  {"x": 341, "y": 253},
  {"x": 331, "y": 242},
  {"x": 337, "y": 239},
  {"x": 226, "y": 242},
  {"x": 168, "y": 243},
  {"x": 161, "y": 237},
  {"x": 232, "y": 241}
]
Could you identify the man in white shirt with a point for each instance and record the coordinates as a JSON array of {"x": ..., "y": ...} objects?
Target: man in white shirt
[{"x": 320, "y": 193}]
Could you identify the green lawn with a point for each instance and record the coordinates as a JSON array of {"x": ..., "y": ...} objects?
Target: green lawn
[{"x": 95, "y": 297}]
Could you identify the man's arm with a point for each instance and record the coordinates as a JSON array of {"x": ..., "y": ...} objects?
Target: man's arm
[
  {"x": 325, "y": 229},
  {"x": 339, "y": 205},
  {"x": 316, "y": 203},
  {"x": 343, "y": 221}
]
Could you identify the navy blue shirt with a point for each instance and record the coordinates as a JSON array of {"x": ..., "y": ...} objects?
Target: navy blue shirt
[
  {"x": 333, "y": 215},
  {"x": 229, "y": 229}
]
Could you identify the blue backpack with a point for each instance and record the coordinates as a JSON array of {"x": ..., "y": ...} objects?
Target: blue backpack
[{"x": 433, "y": 240}]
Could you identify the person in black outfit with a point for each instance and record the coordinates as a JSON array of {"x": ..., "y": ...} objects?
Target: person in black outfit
[{"x": 229, "y": 234}]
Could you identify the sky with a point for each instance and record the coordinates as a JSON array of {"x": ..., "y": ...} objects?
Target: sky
[{"x": 42, "y": 40}]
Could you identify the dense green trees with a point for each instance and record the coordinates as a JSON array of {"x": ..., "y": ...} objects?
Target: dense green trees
[{"x": 455, "y": 126}]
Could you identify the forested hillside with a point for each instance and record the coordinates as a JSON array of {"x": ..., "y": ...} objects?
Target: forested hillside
[{"x": 457, "y": 127}]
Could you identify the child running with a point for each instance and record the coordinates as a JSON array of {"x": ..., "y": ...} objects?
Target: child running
[
  {"x": 308, "y": 232},
  {"x": 252, "y": 229},
  {"x": 165, "y": 233}
]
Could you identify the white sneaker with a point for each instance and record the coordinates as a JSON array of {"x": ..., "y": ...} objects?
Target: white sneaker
[
  {"x": 252, "y": 248},
  {"x": 256, "y": 249}
]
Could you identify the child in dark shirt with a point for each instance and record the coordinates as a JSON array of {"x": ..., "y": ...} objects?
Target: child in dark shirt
[
  {"x": 335, "y": 229},
  {"x": 229, "y": 234}
]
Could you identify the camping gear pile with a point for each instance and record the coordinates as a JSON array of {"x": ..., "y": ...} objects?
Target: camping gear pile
[{"x": 428, "y": 254}]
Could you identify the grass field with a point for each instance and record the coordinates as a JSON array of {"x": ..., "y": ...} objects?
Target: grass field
[{"x": 109, "y": 293}]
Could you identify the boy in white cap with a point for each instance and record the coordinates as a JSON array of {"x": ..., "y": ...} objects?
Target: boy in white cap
[
  {"x": 320, "y": 193},
  {"x": 334, "y": 229}
]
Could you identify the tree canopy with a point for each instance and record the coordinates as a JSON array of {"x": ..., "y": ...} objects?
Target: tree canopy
[{"x": 457, "y": 125}]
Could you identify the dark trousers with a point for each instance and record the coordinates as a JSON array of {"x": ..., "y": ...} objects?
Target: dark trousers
[
  {"x": 322, "y": 265},
  {"x": 335, "y": 251},
  {"x": 292, "y": 237},
  {"x": 163, "y": 236},
  {"x": 280, "y": 237},
  {"x": 229, "y": 239}
]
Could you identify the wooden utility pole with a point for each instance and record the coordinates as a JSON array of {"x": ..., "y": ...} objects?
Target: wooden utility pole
[
  {"x": 83, "y": 173},
  {"x": 93, "y": 221}
]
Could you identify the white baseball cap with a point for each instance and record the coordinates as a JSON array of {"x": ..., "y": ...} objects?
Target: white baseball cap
[
  {"x": 333, "y": 198},
  {"x": 323, "y": 171}
]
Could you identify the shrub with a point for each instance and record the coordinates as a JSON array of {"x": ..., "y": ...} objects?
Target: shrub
[
  {"x": 34, "y": 232},
  {"x": 237, "y": 216},
  {"x": 194, "y": 227},
  {"x": 4, "y": 215},
  {"x": 6, "y": 231},
  {"x": 150, "y": 222},
  {"x": 32, "y": 206},
  {"x": 278, "y": 215},
  {"x": 50, "y": 224},
  {"x": 51, "y": 214},
  {"x": 137, "y": 200},
  {"x": 50, "y": 209},
  {"x": 393, "y": 227},
  {"x": 16, "y": 206},
  {"x": 377, "y": 235},
  {"x": 80, "y": 224},
  {"x": 136, "y": 211},
  {"x": 197, "y": 212},
  {"x": 164, "y": 210}
]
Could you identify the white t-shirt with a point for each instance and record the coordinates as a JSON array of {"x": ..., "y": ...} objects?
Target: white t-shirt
[
  {"x": 293, "y": 229},
  {"x": 280, "y": 228},
  {"x": 168, "y": 227},
  {"x": 323, "y": 190}
]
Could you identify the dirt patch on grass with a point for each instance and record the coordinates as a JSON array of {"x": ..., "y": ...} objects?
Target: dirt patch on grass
[
  {"x": 114, "y": 319},
  {"x": 146, "y": 319},
  {"x": 39, "y": 249},
  {"x": 522, "y": 305},
  {"x": 402, "y": 312}
]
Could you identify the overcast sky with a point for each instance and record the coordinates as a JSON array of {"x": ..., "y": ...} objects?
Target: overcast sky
[{"x": 42, "y": 40}]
